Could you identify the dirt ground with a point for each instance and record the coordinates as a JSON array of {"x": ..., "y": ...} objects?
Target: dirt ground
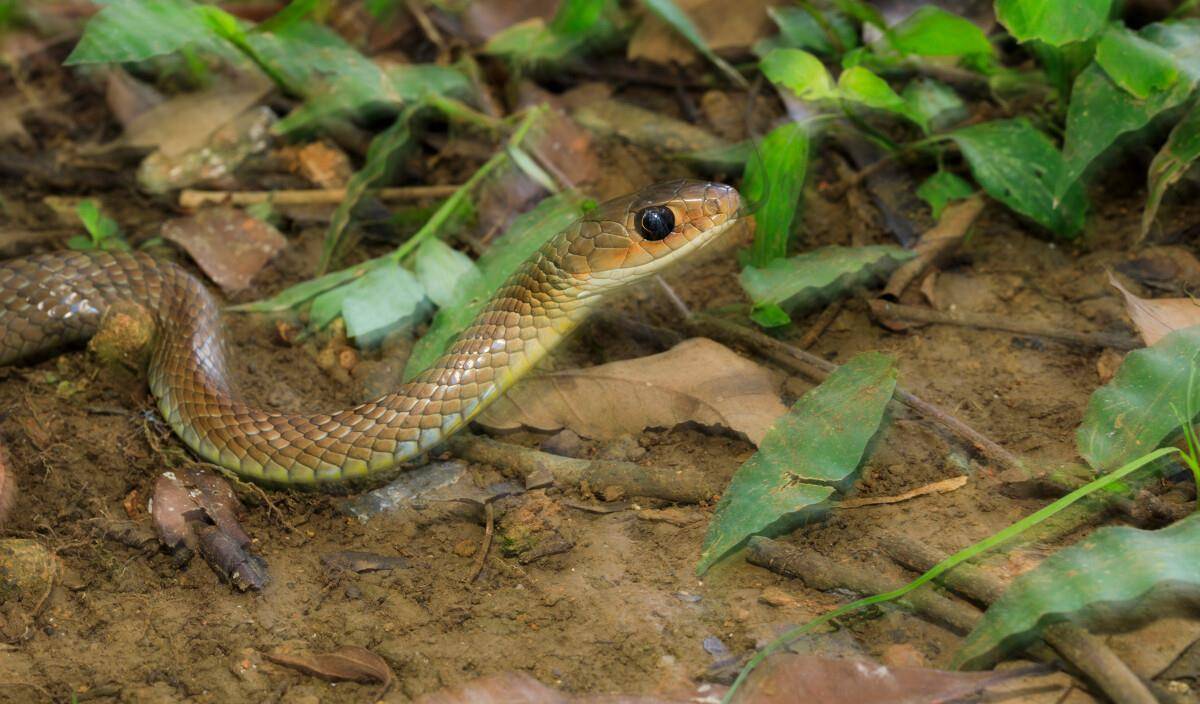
[{"x": 621, "y": 611}]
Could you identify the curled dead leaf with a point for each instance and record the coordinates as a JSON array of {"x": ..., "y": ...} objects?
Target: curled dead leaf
[
  {"x": 1156, "y": 317},
  {"x": 347, "y": 663},
  {"x": 228, "y": 244},
  {"x": 698, "y": 381}
]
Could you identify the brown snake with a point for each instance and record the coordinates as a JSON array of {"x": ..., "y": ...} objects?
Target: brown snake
[{"x": 58, "y": 299}]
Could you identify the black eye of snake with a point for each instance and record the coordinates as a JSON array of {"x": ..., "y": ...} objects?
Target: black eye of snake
[{"x": 656, "y": 222}]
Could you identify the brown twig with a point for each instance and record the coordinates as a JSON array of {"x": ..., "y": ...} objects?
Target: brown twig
[
  {"x": 814, "y": 367},
  {"x": 823, "y": 321},
  {"x": 1082, "y": 649},
  {"x": 634, "y": 479},
  {"x": 885, "y": 309},
  {"x": 489, "y": 511},
  {"x": 942, "y": 487},
  {"x": 819, "y": 572},
  {"x": 190, "y": 198}
]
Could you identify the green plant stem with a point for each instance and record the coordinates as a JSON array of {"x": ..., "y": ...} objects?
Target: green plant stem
[{"x": 949, "y": 563}]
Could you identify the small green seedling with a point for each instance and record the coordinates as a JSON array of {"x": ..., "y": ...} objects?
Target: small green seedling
[{"x": 103, "y": 232}]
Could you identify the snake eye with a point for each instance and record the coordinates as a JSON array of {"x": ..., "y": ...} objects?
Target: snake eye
[{"x": 656, "y": 222}]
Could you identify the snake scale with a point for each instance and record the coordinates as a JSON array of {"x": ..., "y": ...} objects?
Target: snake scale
[{"x": 59, "y": 299}]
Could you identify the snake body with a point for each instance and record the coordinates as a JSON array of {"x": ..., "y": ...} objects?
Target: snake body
[{"x": 59, "y": 299}]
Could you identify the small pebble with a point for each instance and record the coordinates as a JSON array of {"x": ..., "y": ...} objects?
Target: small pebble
[
  {"x": 774, "y": 596},
  {"x": 612, "y": 492},
  {"x": 623, "y": 449},
  {"x": 564, "y": 443}
]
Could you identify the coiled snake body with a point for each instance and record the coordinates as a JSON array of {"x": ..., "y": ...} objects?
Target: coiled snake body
[{"x": 59, "y": 299}]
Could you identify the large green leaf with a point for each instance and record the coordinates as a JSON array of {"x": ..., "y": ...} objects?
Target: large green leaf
[
  {"x": 1114, "y": 572},
  {"x": 1135, "y": 412},
  {"x": 775, "y": 181},
  {"x": 1172, "y": 162},
  {"x": 800, "y": 72},
  {"x": 931, "y": 31},
  {"x": 859, "y": 85},
  {"x": 134, "y": 30},
  {"x": 384, "y": 297},
  {"x": 528, "y": 232},
  {"x": 1139, "y": 66},
  {"x": 814, "y": 277},
  {"x": 1100, "y": 112},
  {"x": 1018, "y": 165},
  {"x": 817, "y": 445},
  {"x": 1055, "y": 22}
]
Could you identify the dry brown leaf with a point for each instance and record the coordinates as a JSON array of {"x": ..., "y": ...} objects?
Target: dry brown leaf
[
  {"x": 127, "y": 97},
  {"x": 8, "y": 486},
  {"x": 1156, "y": 317},
  {"x": 698, "y": 380},
  {"x": 229, "y": 245},
  {"x": 187, "y": 120},
  {"x": 723, "y": 28},
  {"x": 520, "y": 688},
  {"x": 812, "y": 678},
  {"x": 348, "y": 662}
]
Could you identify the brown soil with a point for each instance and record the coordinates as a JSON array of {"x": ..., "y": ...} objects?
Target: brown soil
[{"x": 622, "y": 610}]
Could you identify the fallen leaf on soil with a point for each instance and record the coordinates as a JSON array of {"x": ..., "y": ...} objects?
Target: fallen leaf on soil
[
  {"x": 483, "y": 18},
  {"x": 1156, "y": 317},
  {"x": 320, "y": 164},
  {"x": 229, "y": 245},
  {"x": 698, "y": 380},
  {"x": 348, "y": 662},
  {"x": 127, "y": 97},
  {"x": 187, "y": 120},
  {"x": 196, "y": 509},
  {"x": 521, "y": 688},
  {"x": 812, "y": 678},
  {"x": 8, "y": 486},
  {"x": 647, "y": 128},
  {"x": 1169, "y": 268},
  {"x": 214, "y": 160},
  {"x": 723, "y": 29}
]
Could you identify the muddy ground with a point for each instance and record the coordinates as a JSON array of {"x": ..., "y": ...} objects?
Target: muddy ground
[{"x": 621, "y": 611}]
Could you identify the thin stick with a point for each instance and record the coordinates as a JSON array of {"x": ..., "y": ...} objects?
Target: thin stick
[
  {"x": 1082, "y": 649},
  {"x": 633, "y": 479},
  {"x": 190, "y": 198},
  {"x": 823, "y": 321},
  {"x": 885, "y": 309},
  {"x": 820, "y": 369},
  {"x": 489, "y": 511}
]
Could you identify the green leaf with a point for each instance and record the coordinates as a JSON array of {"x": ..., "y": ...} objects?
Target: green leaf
[
  {"x": 931, "y": 31},
  {"x": 670, "y": 13},
  {"x": 775, "y": 179},
  {"x": 1113, "y": 572},
  {"x": 103, "y": 231},
  {"x": 800, "y": 72},
  {"x": 1018, "y": 165},
  {"x": 859, "y": 85},
  {"x": 818, "y": 443},
  {"x": 799, "y": 29},
  {"x": 815, "y": 277},
  {"x": 1055, "y": 22},
  {"x": 446, "y": 273},
  {"x": 1172, "y": 162},
  {"x": 1100, "y": 112},
  {"x": 936, "y": 104},
  {"x": 577, "y": 18},
  {"x": 384, "y": 297},
  {"x": 384, "y": 151},
  {"x": 135, "y": 30},
  {"x": 943, "y": 188},
  {"x": 291, "y": 15},
  {"x": 1181, "y": 38},
  {"x": 297, "y": 295},
  {"x": 1140, "y": 67},
  {"x": 1132, "y": 414},
  {"x": 528, "y": 232}
]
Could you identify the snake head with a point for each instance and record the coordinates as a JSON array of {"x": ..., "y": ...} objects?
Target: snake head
[{"x": 629, "y": 237}]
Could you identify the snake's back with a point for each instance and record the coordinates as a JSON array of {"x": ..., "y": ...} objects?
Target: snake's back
[{"x": 56, "y": 300}]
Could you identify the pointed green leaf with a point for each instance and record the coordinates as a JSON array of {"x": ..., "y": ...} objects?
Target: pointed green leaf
[
  {"x": 1118, "y": 572},
  {"x": 135, "y": 30},
  {"x": 775, "y": 180},
  {"x": 859, "y": 85},
  {"x": 818, "y": 443},
  {"x": 1018, "y": 165},
  {"x": 1140, "y": 67},
  {"x": 800, "y": 72},
  {"x": 815, "y": 277},
  {"x": 1132, "y": 414},
  {"x": 510, "y": 250},
  {"x": 446, "y": 273},
  {"x": 931, "y": 31}
]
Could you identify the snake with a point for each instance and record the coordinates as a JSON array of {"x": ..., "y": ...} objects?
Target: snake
[{"x": 59, "y": 299}]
